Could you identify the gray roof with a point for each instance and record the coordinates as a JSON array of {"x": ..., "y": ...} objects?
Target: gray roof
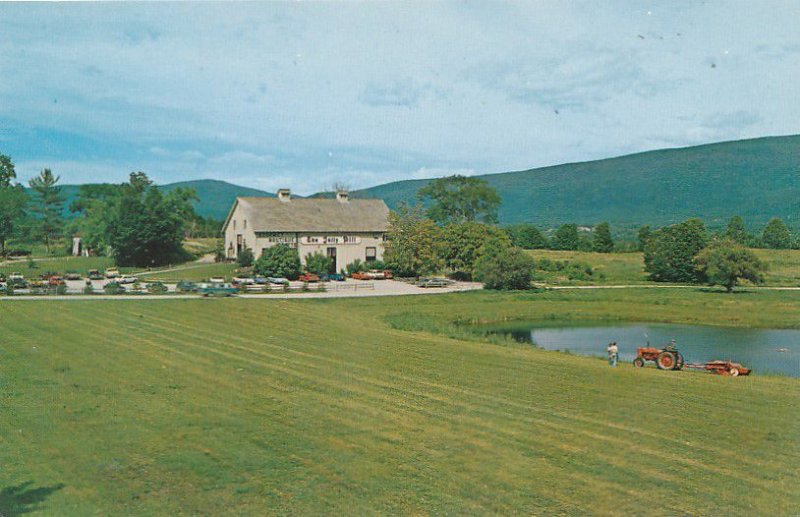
[{"x": 267, "y": 214}]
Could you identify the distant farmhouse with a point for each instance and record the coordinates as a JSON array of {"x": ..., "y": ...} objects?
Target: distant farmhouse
[{"x": 344, "y": 229}]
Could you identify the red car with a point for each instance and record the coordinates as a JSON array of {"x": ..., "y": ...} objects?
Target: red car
[{"x": 308, "y": 277}]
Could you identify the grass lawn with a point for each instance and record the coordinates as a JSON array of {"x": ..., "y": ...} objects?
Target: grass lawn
[
  {"x": 344, "y": 406},
  {"x": 59, "y": 265},
  {"x": 628, "y": 268},
  {"x": 194, "y": 272}
]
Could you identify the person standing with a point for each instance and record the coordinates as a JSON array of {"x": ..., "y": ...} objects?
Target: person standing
[{"x": 613, "y": 353}]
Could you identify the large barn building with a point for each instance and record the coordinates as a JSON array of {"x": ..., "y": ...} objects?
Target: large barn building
[{"x": 342, "y": 228}]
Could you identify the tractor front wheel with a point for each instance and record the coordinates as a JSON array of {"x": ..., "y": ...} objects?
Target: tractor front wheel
[
  {"x": 666, "y": 361},
  {"x": 734, "y": 372},
  {"x": 638, "y": 362}
]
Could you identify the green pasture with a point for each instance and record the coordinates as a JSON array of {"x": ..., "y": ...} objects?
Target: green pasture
[
  {"x": 783, "y": 267},
  {"x": 378, "y": 406}
]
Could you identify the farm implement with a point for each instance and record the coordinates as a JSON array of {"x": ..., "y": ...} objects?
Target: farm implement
[{"x": 669, "y": 358}]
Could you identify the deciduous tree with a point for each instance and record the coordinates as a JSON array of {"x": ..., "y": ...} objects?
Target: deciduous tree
[
  {"x": 460, "y": 244},
  {"x": 777, "y": 235},
  {"x": 413, "y": 243},
  {"x": 669, "y": 254},
  {"x": 602, "y": 241},
  {"x": 726, "y": 262},
  {"x": 12, "y": 201},
  {"x": 457, "y": 199},
  {"x": 502, "y": 266},
  {"x": 736, "y": 231}
]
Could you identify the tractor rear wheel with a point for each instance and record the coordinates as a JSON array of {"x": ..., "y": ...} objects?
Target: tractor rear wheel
[
  {"x": 638, "y": 362},
  {"x": 666, "y": 361}
]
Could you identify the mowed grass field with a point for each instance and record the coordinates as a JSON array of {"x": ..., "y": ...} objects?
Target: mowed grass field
[
  {"x": 783, "y": 267},
  {"x": 366, "y": 406}
]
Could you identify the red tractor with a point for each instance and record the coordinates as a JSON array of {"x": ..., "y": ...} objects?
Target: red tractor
[{"x": 667, "y": 358}]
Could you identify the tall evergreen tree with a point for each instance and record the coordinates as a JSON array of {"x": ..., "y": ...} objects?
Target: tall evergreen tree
[
  {"x": 602, "y": 241},
  {"x": 48, "y": 206},
  {"x": 776, "y": 235},
  {"x": 736, "y": 231}
]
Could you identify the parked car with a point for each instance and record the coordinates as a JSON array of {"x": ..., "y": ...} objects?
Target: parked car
[
  {"x": 55, "y": 281},
  {"x": 127, "y": 279},
  {"x": 261, "y": 280},
  {"x": 15, "y": 276},
  {"x": 361, "y": 275},
  {"x": 72, "y": 276},
  {"x": 112, "y": 273},
  {"x": 243, "y": 280},
  {"x": 333, "y": 277},
  {"x": 432, "y": 282},
  {"x": 94, "y": 274},
  {"x": 216, "y": 280},
  {"x": 217, "y": 289},
  {"x": 184, "y": 286},
  {"x": 308, "y": 277},
  {"x": 278, "y": 280}
]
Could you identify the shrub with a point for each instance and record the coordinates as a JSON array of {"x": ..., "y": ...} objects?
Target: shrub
[
  {"x": 88, "y": 289},
  {"x": 319, "y": 263},
  {"x": 280, "y": 260},
  {"x": 501, "y": 266},
  {"x": 245, "y": 258},
  {"x": 356, "y": 266},
  {"x": 61, "y": 289}
]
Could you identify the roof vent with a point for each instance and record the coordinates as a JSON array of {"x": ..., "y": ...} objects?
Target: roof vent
[
  {"x": 284, "y": 194},
  {"x": 342, "y": 196}
]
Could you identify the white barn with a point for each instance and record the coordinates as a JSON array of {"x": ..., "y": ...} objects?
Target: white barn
[{"x": 342, "y": 228}]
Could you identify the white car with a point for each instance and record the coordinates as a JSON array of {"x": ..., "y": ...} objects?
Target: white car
[
  {"x": 216, "y": 280},
  {"x": 112, "y": 273},
  {"x": 244, "y": 280},
  {"x": 127, "y": 279},
  {"x": 16, "y": 276}
]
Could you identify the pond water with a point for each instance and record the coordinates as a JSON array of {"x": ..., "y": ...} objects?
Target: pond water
[{"x": 763, "y": 350}]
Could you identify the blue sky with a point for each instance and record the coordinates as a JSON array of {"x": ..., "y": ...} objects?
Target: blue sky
[{"x": 307, "y": 94}]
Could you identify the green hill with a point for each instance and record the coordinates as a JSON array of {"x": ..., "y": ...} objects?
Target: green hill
[
  {"x": 215, "y": 197},
  {"x": 757, "y": 179}
]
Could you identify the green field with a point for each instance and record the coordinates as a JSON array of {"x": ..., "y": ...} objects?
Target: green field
[
  {"x": 359, "y": 406},
  {"x": 783, "y": 267},
  {"x": 193, "y": 272},
  {"x": 58, "y": 265}
]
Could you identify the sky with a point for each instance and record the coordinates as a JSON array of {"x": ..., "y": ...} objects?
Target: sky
[{"x": 305, "y": 95}]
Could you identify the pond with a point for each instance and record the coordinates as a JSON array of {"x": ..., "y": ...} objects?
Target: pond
[{"x": 763, "y": 350}]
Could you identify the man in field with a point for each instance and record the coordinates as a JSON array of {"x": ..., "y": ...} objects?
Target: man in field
[{"x": 613, "y": 353}]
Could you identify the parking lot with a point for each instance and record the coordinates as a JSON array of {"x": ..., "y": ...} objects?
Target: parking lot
[{"x": 348, "y": 288}]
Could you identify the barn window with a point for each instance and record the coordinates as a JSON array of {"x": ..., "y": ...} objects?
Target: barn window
[{"x": 372, "y": 254}]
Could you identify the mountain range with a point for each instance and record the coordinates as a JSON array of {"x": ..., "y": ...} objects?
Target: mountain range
[{"x": 756, "y": 179}]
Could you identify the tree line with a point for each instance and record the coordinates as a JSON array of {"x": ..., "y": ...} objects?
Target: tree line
[{"x": 135, "y": 222}]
